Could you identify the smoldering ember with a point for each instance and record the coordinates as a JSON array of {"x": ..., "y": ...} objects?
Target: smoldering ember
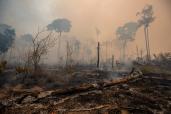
[{"x": 85, "y": 57}]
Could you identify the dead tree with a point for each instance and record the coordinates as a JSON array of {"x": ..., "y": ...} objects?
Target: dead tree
[
  {"x": 42, "y": 42},
  {"x": 138, "y": 57},
  {"x": 98, "y": 55},
  {"x": 112, "y": 61}
]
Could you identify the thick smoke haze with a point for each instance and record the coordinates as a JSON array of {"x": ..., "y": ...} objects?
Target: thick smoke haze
[{"x": 26, "y": 15}]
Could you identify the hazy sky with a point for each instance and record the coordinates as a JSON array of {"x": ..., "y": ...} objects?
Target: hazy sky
[{"x": 26, "y": 15}]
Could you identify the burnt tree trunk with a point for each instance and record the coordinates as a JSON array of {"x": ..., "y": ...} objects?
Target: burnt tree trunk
[
  {"x": 112, "y": 61},
  {"x": 146, "y": 42},
  {"x": 149, "y": 54},
  {"x": 98, "y": 55},
  {"x": 137, "y": 53}
]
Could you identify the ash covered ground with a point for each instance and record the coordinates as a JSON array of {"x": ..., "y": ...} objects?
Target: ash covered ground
[{"x": 87, "y": 92}]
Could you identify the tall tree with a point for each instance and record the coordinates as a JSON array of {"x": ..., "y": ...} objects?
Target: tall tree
[
  {"x": 146, "y": 18},
  {"x": 60, "y": 26},
  {"x": 125, "y": 34}
]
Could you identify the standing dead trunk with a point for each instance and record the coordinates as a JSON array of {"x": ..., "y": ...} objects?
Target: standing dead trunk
[
  {"x": 146, "y": 42},
  {"x": 149, "y": 54},
  {"x": 137, "y": 53},
  {"x": 112, "y": 61},
  {"x": 98, "y": 55}
]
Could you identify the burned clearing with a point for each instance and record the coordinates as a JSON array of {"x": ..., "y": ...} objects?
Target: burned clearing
[
  {"x": 132, "y": 94},
  {"x": 85, "y": 57}
]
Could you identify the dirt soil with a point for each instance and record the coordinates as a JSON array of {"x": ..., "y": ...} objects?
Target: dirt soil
[{"x": 149, "y": 94}]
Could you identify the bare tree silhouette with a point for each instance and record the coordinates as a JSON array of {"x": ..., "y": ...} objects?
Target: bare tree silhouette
[{"x": 41, "y": 46}]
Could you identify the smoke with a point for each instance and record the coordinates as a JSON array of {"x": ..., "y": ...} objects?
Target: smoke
[
  {"x": 27, "y": 37},
  {"x": 168, "y": 3},
  {"x": 85, "y": 16},
  {"x": 98, "y": 32},
  {"x": 20, "y": 48},
  {"x": 23, "y": 43},
  {"x": 24, "y": 40},
  {"x": 74, "y": 42}
]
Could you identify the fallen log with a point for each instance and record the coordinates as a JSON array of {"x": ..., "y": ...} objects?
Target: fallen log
[{"x": 96, "y": 86}]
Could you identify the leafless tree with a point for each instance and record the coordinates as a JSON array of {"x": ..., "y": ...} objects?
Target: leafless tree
[{"x": 42, "y": 42}]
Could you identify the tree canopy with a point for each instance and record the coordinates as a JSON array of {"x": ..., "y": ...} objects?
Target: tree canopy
[
  {"x": 146, "y": 16},
  {"x": 60, "y": 25},
  {"x": 7, "y": 36},
  {"x": 127, "y": 32}
]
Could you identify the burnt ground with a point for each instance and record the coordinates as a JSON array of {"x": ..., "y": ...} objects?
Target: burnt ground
[{"x": 147, "y": 94}]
